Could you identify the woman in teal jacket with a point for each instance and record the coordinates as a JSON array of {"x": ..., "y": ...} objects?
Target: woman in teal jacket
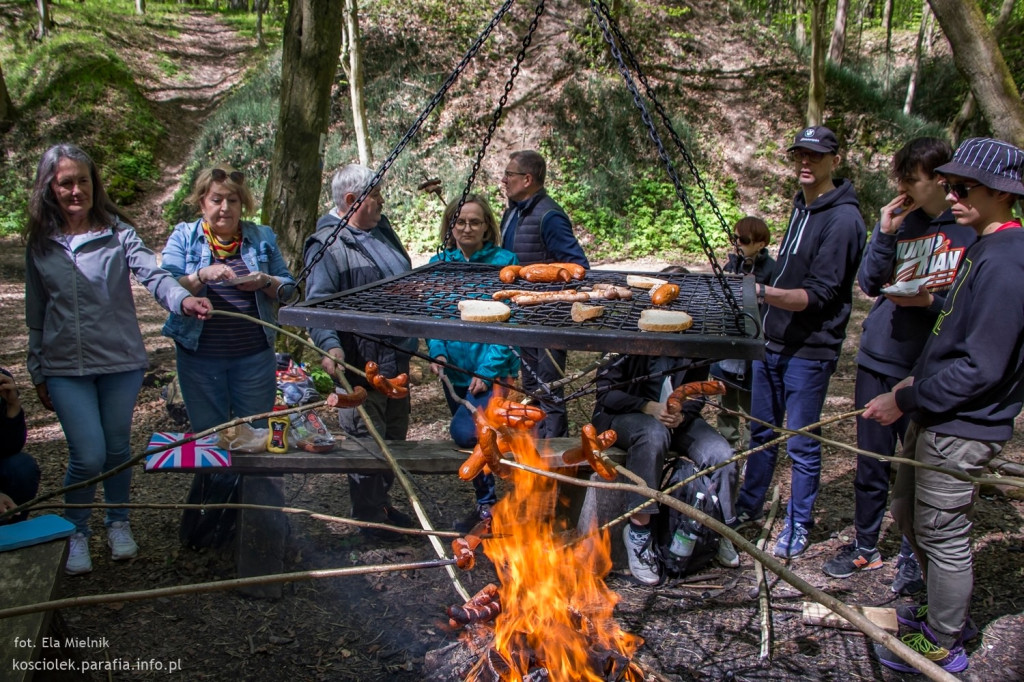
[{"x": 473, "y": 239}]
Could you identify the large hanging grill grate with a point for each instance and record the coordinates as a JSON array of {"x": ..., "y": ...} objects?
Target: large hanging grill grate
[{"x": 423, "y": 303}]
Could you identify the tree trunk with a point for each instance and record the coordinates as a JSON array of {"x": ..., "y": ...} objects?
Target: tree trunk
[
  {"x": 6, "y": 106},
  {"x": 969, "y": 107},
  {"x": 980, "y": 62},
  {"x": 355, "y": 82},
  {"x": 259, "y": 6},
  {"x": 816, "y": 93},
  {"x": 800, "y": 34},
  {"x": 838, "y": 42},
  {"x": 887, "y": 25},
  {"x": 45, "y": 21},
  {"x": 915, "y": 69},
  {"x": 309, "y": 58},
  {"x": 140, "y": 6}
]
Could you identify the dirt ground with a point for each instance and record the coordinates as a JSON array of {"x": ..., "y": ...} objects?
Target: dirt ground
[{"x": 379, "y": 627}]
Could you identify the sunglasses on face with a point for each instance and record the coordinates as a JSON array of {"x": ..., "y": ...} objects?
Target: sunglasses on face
[
  {"x": 743, "y": 239},
  {"x": 220, "y": 175},
  {"x": 958, "y": 189},
  {"x": 801, "y": 155}
]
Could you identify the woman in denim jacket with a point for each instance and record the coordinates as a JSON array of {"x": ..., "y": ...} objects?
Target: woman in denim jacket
[{"x": 226, "y": 365}]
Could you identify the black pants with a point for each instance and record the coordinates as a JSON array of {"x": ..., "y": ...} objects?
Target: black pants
[
  {"x": 538, "y": 368},
  {"x": 871, "y": 484}
]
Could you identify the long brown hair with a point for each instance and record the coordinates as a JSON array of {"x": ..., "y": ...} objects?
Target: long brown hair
[{"x": 44, "y": 215}]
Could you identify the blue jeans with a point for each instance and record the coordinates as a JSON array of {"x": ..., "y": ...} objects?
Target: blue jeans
[
  {"x": 463, "y": 430},
  {"x": 95, "y": 412},
  {"x": 217, "y": 390},
  {"x": 790, "y": 388},
  {"x": 19, "y": 479}
]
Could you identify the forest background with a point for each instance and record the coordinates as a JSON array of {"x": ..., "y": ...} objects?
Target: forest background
[
  {"x": 155, "y": 96},
  {"x": 734, "y": 94}
]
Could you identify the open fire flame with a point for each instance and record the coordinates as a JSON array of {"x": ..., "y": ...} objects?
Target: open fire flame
[{"x": 556, "y": 610}]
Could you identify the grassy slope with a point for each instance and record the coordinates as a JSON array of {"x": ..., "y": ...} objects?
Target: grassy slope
[{"x": 734, "y": 93}]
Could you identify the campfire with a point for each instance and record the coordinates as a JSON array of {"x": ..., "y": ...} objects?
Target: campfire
[{"x": 551, "y": 617}]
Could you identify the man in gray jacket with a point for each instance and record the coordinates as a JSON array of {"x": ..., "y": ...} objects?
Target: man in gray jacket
[{"x": 366, "y": 250}]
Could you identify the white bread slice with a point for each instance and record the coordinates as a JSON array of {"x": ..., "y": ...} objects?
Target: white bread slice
[
  {"x": 643, "y": 282},
  {"x": 581, "y": 312},
  {"x": 657, "y": 320},
  {"x": 477, "y": 310}
]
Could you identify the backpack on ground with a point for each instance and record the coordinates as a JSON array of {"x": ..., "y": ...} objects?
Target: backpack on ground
[
  {"x": 683, "y": 545},
  {"x": 210, "y": 527}
]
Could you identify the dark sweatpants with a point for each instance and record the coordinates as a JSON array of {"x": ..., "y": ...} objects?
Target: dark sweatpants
[{"x": 871, "y": 484}]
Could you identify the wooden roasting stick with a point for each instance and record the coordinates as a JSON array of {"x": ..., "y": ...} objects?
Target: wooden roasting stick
[
  {"x": 763, "y": 593},
  {"x": 922, "y": 664}
]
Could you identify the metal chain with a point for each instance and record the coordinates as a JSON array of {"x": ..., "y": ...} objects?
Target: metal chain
[
  {"x": 291, "y": 296},
  {"x": 667, "y": 122},
  {"x": 495, "y": 119},
  {"x": 603, "y": 17}
]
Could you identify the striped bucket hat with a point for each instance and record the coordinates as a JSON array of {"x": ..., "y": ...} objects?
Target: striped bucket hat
[{"x": 993, "y": 163}]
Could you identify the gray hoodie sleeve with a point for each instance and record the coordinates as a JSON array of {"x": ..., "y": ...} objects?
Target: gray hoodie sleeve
[{"x": 142, "y": 263}]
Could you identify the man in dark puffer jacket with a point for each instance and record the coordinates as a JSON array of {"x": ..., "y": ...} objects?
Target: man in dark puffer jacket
[{"x": 537, "y": 230}]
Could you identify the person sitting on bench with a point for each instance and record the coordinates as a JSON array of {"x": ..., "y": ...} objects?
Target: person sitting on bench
[
  {"x": 632, "y": 396},
  {"x": 19, "y": 473}
]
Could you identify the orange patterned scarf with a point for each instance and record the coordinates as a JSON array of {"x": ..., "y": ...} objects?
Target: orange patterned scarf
[{"x": 219, "y": 249}]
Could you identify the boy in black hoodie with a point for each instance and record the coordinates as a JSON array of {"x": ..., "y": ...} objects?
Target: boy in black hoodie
[
  {"x": 809, "y": 303},
  {"x": 917, "y": 245},
  {"x": 962, "y": 398}
]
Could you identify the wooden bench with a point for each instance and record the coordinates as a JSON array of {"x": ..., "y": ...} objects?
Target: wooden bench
[
  {"x": 261, "y": 534},
  {"x": 30, "y": 575}
]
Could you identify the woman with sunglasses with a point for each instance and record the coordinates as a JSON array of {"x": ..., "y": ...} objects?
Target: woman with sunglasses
[
  {"x": 226, "y": 365},
  {"x": 86, "y": 354},
  {"x": 473, "y": 239},
  {"x": 751, "y": 257}
]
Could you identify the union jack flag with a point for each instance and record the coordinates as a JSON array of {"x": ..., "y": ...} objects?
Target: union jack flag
[{"x": 199, "y": 454}]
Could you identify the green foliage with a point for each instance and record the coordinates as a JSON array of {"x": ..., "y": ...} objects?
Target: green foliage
[
  {"x": 322, "y": 381},
  {"x": 240, "y": 133}
]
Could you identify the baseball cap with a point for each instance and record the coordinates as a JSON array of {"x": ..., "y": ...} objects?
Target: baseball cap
[
  {"x": 993, "y": 163},
  {"x": 817, "y": 139}
]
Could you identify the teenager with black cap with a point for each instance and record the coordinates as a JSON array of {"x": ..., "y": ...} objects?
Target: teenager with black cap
[
  {"x": 808, "y": 307},
  {"x": 962, "y": 398}
]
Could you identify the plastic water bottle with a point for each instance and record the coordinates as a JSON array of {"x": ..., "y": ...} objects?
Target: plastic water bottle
[{"x": 685, "y": 537}]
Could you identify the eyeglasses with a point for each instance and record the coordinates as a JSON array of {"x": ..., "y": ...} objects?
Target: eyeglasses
[
  {"x": 474, "y": 224},
  {"x": 220, "y": 175},
  {"x": 958, "y": 189},
  {"x": 743, "y": 239},
  {"x": 509, "y": 174},
  {"x": 801, "y": 155}
]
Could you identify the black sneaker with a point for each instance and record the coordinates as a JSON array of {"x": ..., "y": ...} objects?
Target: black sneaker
[
  {"x": 746, "y": 517},
  {"x": 392, "y": 517},
  {"x": 479, "y": 515},
  {"x": 851, "y": 559},
  {"x": 908, "y": 580}
]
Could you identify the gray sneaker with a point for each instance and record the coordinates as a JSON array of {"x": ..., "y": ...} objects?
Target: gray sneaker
[
  {"x": 79, "y": 561},
  {"x": 119, "y": 539},
  {"x": 643, "y": 562},
  {"x": 727, "y": 555}
]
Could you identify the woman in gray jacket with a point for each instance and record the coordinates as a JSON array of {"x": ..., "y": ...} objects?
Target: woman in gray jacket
[{"x": 86, "y": 354}]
